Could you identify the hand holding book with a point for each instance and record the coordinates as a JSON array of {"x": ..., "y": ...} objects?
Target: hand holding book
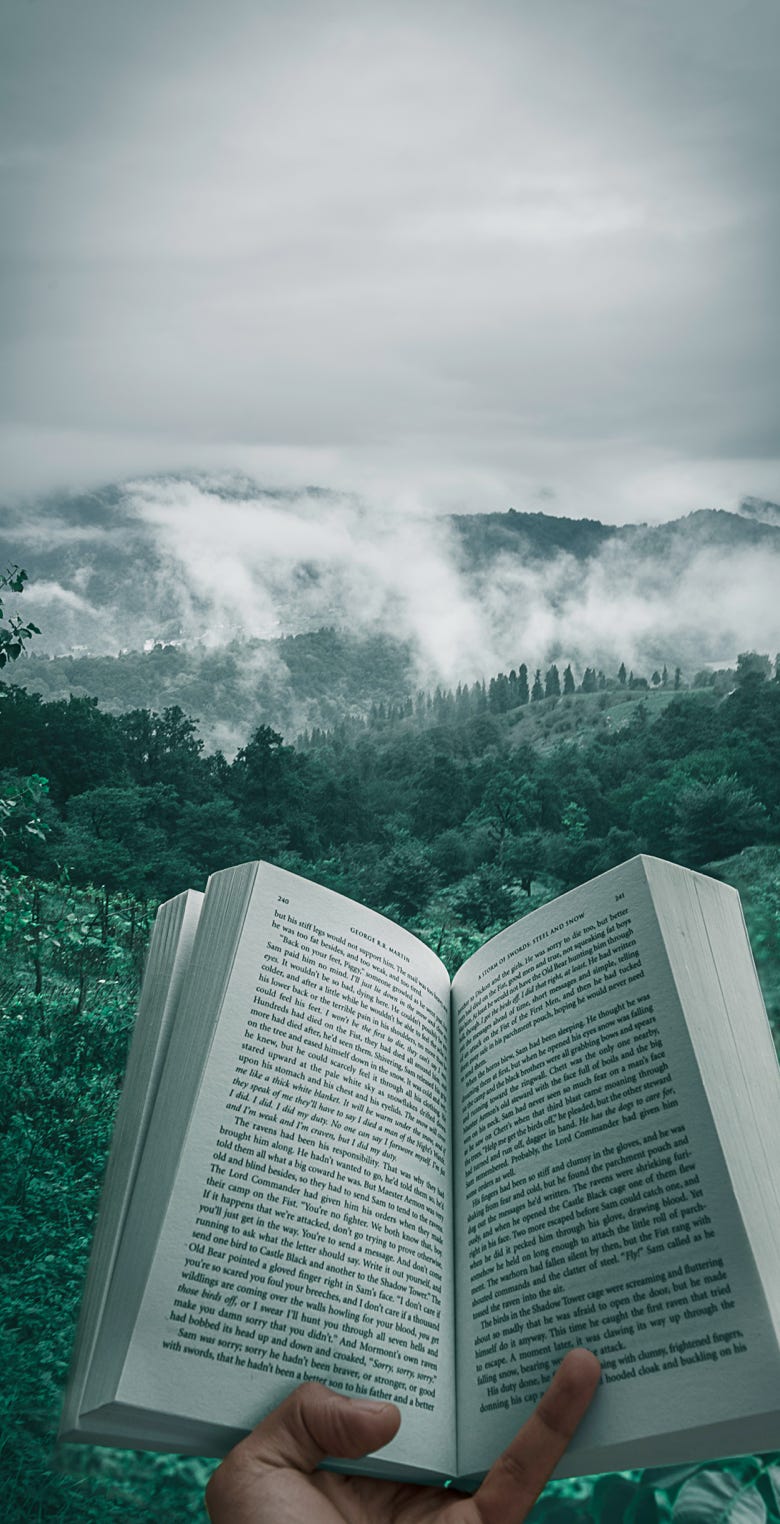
[
  {"x": 271, "y": 1474},
  {"x": 332, "y": 1163}
]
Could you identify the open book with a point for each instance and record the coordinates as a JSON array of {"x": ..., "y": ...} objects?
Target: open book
[{"x": 331, "y": 1163}]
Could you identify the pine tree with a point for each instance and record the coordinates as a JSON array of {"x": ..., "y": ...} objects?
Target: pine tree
[
  {"x": 552, "y": 682},
  {"x": 498, "y": 694},
  {"x": 622, "y": 674},
  {"x": 522, "y": 684},
  {"x": 568, "y": 680},
  {"x": 537, "y": 692}
]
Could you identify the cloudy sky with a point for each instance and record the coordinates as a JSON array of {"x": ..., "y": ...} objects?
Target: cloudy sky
[{"x": 445, "y": 255}]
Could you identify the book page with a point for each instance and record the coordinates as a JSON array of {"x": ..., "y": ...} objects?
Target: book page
[
  {"x": 169, "y": 954},
  {"x": 309, "y": 1233},
  {"x": 593, "y": 1204}
]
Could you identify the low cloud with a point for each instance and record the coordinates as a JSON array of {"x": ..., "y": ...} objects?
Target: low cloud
[
  {"x": 48, "y": 593},
  {"x": 699, "y": 606},
  {"x": 208, "y": 560}
]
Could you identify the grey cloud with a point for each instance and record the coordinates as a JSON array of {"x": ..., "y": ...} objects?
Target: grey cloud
[{"x": 445, "y": 251}]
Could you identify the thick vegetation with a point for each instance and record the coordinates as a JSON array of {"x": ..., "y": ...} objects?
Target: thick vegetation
[{"x": 454, "y": 818}]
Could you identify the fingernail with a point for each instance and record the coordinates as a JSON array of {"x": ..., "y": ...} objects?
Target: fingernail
[{"x": 364, "y": 1405}]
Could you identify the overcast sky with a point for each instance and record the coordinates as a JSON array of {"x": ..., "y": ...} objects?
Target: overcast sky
[{"x": 519, "y": 252}]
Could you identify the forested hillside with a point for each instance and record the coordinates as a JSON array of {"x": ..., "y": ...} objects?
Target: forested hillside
[
  {"x": 313, "y": 679},
  {"x": 223, "y": 598},
  {"x": 414, "y": 816}
]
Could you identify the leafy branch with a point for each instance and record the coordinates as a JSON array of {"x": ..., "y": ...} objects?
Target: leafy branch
[{"x": 16, "y": 633}]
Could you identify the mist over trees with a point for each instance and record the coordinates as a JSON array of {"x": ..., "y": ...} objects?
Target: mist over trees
[{"x": 531, "y": 588}]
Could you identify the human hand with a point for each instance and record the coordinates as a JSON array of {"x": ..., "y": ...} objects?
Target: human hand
[{"x": 270, "y": 1477}]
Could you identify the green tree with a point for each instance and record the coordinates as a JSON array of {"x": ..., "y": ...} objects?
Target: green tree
[
  {"x": 569, "y": 684},
  {"x": 552, "y": 682},
  {"x": 537, "y": 692},
  {"x": 499, "y": 693},
  {"x": 450, "y": 856},
  {"x": 125, "y": 840},
  {"x": 484, "y": 898},
  {"x": 72, "y": 742},
  {"x": 510, "y": 804},
  {"x": 438, "y": 794},
  {"x": 25, "y": 814},
  {"x": 163, "y": 748},
  {"x": 407, "y": 877},
  {"x": 716, "y": 819},
  {"x": 15, "y": 633},
  {"x": 752, "y": 664},
  {"x": 575, "y": 822},
  {"x": 524, "y": 856},
  {"x": 210, "y": 835},
  {"x": 267, "y": 781}
]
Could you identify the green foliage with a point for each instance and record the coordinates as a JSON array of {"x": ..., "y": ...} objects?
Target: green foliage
[
  {"x": 574, "y": 822},
  {"x": 484, "y": 898},
  {"x": 455, "y": 815},
  {"x": 552, "y": 682},
  {"x": 405, "y": 877},
  {"x": 21, "y": 810},
  {"x": 755, "y": 872},
  {"x": 62, "y": 1055},
  {"x": 745, "y": 1490},
  {"x": 752, "y": 666},
  {"x": 720, "y": 816},
  {"x": 16, "y": 633},
  {"x": 308, "y": 681}
]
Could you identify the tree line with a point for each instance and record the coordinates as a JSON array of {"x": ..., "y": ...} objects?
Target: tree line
[
  {"x": 135, "y": 803},
  {"x": 507, "y": 692}
]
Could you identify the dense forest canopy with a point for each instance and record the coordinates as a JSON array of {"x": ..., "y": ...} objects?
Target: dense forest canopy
[{"x": 442, "y": 808}]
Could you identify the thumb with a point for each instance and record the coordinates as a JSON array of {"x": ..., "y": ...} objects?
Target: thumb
[{"x": 314, "y": 1422}]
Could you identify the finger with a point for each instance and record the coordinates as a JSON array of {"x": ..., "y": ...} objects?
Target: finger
[
  {"x": 514, "y": 1482},
  {"x": 314, "y": 1422}
]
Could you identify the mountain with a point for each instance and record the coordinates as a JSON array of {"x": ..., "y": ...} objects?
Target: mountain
[
  {"x": 759, "y": 508},
  {"x": 533, "y": 536},
  {"x": 230, "y": 577}
]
